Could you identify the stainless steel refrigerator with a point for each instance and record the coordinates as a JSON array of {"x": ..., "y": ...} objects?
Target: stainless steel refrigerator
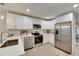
[{"x": 63, "y": 36}]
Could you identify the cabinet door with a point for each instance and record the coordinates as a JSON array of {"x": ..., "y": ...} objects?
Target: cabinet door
[
  {"x": 53, "y": 22},
  {"x": 46, "y": 24},
  {"x": 19, "y": 22},
  {"x": 51, "y": 38},
  {"x": 11, "y": 21},
  {"x": 36, "y": 21},
  {"x": 45, "y": 38},
  {"x": 30, "y": 25},
  {"x": 27, "y": 23},
  {"x": 64, "y": 18},
  {"x": 43, "y": 24}
]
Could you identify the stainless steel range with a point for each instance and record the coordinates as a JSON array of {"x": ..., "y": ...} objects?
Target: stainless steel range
[{"x": 38, "y": 37}]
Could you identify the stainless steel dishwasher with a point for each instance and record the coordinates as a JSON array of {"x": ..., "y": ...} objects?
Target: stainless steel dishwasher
[{"x": 28, "y": 42}]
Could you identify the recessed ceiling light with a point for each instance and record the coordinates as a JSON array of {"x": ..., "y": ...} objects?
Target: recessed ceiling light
[
  {"x": 75, "y": 5},
  {"x": 28, "y": 10},
  {"x": 2, "y": 17}
]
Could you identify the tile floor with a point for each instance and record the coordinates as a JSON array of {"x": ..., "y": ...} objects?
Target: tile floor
[{"x": 45, "y": 50}]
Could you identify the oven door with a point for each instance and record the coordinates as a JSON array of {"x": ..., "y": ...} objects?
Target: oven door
[{"x": 38, "y": 39}]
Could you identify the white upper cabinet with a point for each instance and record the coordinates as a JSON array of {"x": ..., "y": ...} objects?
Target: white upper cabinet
[
  {"x": 15, "y": 21},
  {"x": 68, "y": 17},
  {"x": 11, "y": 21},
  {"x": 27, "y": 23},
  {"x": 37, "y": 21},
  {"x": 53, "y": 22},
  {"x": 19, "y": 22},
  {"x": 64, "y": 18},
  {"x": 45, "y": 24}
]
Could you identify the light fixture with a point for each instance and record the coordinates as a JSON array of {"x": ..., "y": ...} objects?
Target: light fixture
[
  {"x": 75, "y": 5},
  {"x": 2, "y": 17},
  {"x": 28, "y": 10},
  {"x": 2, "y": 11},
  {"x": 47, "y": 17}
]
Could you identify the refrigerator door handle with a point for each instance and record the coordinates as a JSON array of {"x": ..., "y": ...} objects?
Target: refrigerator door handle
[{"x": 56, "y": 31}]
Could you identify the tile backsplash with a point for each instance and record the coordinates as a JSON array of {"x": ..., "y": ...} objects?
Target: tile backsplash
[{"x": 42, "y": 31}]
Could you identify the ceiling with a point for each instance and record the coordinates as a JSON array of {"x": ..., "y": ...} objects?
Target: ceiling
[{"x": 41, "y": 10}]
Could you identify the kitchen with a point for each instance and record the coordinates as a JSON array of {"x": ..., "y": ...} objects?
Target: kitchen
[{"x": 33, "y": 31}]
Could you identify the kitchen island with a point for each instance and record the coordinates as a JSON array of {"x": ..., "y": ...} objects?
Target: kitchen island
[{"x": 14, "y": 50}]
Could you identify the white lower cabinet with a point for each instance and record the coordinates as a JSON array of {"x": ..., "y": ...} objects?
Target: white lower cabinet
[
  {"x": 48, "y": 38},
  {"x": 51, "y": 38},
  {"x": 45, "y": 40}
]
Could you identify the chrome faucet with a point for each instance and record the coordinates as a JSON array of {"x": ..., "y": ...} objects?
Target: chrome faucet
[{"x": 2, "y": 34}]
